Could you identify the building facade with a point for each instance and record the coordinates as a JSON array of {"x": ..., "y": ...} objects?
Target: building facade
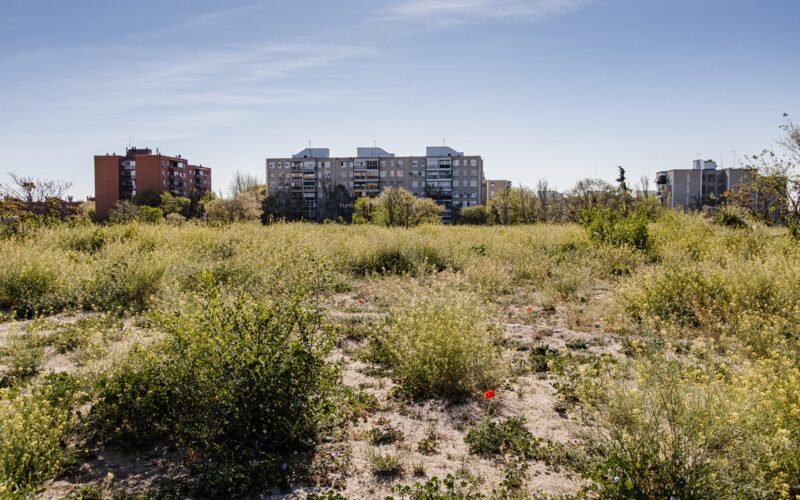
[
  {"x": 308, "y": 180},
  {"x": 491, "y": 188},
  {"x": 702, "y": 185},
  {"x": 123, "y": 177}
]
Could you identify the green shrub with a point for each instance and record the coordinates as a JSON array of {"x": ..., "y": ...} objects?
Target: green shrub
[
  {"x": 150, "y": 215},
  {"x": 434, "y": 488},
  {"x": 665, "y": 428},
  {"x": 490, "y": 438},
  {"x": 233, "y": 377},
  {"x": 30, "y": 285},
  {"x": 400, "y": 261},
  {"x": 31, "y": 443},
  {"x": 385, "y": 465},
  {"x": 611, "y": 227},
  {"x": 441, "y": 346},
  {"x": 385, "y": 433},
  {"x": 88, "y": 241},
  {"x": 731, "y": 216},
  {"x": 125, "y": 284},
  {"x": 24, "y": 359}
]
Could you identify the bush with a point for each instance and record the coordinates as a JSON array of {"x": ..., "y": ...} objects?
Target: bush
[
  {"x": 150, "y": 215},
  {"x": 442, "y": 347},
  {"x": 611, "y": 227},
  {"x": 233, "y": 378},
  {"x": 125, "y": 284},
  {"x": 664, "y": 428},
  {"x": 31, "y": 285},
  {"x": 476, "y": 215},
  {"x": 385, "y": 465},
  {"x": 731, "y": 216},
  {"x": 399, "y": 261},
  {"x": 491, "y": 438},
  {"x": 31, "y": 443}
]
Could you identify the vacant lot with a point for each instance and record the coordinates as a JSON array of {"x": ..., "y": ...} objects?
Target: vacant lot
[{"x": 529, "y": 361}]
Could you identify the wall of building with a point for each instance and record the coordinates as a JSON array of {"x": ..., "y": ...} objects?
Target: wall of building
[{"x": 106, "y": 183}]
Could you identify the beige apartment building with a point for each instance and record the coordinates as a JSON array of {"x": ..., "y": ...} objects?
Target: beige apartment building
[
  {"x": 702, "y": 185},
  {"x": 307, "y": 183}
]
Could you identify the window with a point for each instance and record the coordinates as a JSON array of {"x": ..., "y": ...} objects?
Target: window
[
  {"x": 272, "y": 164},
  {"x": 399, "y": 163},
  {"x": 383, "y": 173},
  {"x": 473, "y": 163},
  {"x": 456, "y": 184},
  {"x": 473, "y": 183},
  {"x": 456, "y": 163},
  {"x": 399, "y": 173},
  {"x": 456, "y": 173},
  {"x": 391, "y": 173},
  {"x": 414, "y": 185}
]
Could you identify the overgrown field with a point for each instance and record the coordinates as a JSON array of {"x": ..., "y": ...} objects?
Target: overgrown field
[{"x": 624, "y": 360}]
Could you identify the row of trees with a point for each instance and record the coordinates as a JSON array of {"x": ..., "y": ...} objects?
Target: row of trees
[
  {"x": 524, "y": 205},
  {"x": 27, "y": 198},
  {"x": 243, "y": 204}
]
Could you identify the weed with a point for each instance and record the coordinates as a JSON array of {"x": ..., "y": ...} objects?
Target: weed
[{"x": 385, "y": 465}]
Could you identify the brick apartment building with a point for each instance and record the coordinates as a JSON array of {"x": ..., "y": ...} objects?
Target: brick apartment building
[
  {"x": 447, "y": 176},
  {"x": 122, "y": 177}
]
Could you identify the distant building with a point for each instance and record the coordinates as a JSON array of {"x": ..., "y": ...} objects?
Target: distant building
[
  {"x": 704, "y": 184},
  {"x": 491, "y": 188},
  {"x": 307, "y": 180},
  {"x": 123, "y": 177}
]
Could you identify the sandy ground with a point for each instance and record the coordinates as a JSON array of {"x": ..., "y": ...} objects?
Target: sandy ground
[{"x": 346, "y": 463}]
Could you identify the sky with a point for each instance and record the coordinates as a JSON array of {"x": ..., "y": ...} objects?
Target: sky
[{"x": 542, "y": 89}]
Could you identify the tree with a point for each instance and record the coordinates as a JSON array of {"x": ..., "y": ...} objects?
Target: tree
[
  {"x": 624, "y": 192},
  {"x": 543, "y": 195},
  {"x": 334, "y": 202},
  {"x": 475, "y": 215},
  {"x": 124, "y": 212},
  {"x": 150, "y": 215},
  {"x": 148, "y": 197},
  {"x": 280, "y": 205},
  {"x": 31, "y": 190},
  {"x": 245, "y": 183},
  {"x": 771, "y": 190},
  {"x": 363, "y": 211},
  {"x": 175, "y": 204},
  {"x": 587, "y": 194},
  {"x": 394, "y": 207},
  {"x": 242, "y": 208},
  {"x": 425, "y": 211}
]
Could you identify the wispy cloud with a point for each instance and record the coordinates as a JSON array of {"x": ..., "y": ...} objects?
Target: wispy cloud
[
  {"x": 189, "y": 90},
  {"x": 461, "y": 11}
]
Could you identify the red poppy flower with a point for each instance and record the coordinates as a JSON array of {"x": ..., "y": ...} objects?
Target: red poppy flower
[
  {"x": 360, "y": 301},
  {"x": 530, "y": 309},
  {"x": 488, "y": 394}
]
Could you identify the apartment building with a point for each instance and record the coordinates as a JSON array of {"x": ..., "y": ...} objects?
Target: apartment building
[
  {"x": 702, "y": 185},
  {"x": 491, "y": 188},
  {"x": 122, "y": 177},
  {"x": 309, "y": 178}
]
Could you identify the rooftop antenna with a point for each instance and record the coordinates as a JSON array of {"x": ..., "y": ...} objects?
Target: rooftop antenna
[
  {"x": 129, "y": 142},
  {"x": 444, "y": 142}
]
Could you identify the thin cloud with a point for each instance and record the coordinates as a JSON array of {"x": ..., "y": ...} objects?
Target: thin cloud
[{"x": 461, "y": 11}]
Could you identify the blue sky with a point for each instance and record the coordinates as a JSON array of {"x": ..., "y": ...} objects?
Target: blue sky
[{"x": 554, "y": 89}]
